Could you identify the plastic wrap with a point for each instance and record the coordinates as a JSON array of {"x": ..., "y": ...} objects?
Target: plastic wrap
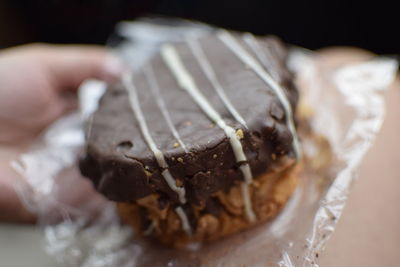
[{"x": 344, "y": 106}]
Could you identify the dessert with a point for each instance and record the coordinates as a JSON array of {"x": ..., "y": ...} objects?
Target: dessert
[{"x": 200, "y": 143}]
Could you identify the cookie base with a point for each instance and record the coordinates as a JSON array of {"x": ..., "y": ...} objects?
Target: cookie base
[{"x": 269, "y": 193}]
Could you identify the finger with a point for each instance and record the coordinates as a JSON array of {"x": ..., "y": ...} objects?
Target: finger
[
  {"x": 12, "y": 209},
  {"x": 67, "y": 66},
  {"x": 60, "y": 106},
  {"x": 71, "y": 65},
  {"x": 340, "y": 55},
  {"x": 78, "y": 193}
]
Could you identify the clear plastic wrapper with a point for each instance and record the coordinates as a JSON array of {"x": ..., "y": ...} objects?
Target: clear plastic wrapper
[{"x": 344, "y": 107}]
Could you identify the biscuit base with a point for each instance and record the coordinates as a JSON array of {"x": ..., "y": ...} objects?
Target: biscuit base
[{"x": 269, "y": 194}]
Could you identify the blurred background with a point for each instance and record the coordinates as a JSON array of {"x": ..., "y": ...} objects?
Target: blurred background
[{"x": 311, "y": 24}]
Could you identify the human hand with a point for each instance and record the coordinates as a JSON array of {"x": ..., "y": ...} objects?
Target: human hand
[{"x": 37, "y": 85}]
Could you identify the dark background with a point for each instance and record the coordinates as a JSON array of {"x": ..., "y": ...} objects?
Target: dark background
[{"x": 311, "y": 24}]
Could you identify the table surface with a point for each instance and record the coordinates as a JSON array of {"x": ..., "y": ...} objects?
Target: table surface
[{"x": 368, "y": 234}]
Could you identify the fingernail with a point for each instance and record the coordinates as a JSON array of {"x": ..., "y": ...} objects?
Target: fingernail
[{"x": 113, "y": 68}]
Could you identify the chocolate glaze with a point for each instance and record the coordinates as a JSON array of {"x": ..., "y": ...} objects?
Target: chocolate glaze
[{"x": 122, "y": 167}]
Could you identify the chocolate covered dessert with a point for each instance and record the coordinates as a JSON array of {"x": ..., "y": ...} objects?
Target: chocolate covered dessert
[{"x": 200, "y": 143}]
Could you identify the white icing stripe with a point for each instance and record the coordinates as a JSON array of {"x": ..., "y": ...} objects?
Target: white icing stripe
[
  {"x": 133, "y": 99},
  {"x": 247, "y": 202},
  {"x": 265, "y": 58},
  {"x": 245, "y": 169},
  {"x": 200, "y": 56},
  {"x": 249, "y": 60},
  {"x": 184, "y": 220},
  {"x": 155, "y": 89},
  {"x": 186, "y": 82}
]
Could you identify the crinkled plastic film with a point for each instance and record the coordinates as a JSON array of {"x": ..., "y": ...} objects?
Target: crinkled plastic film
[{"x": 343, "y": 105}]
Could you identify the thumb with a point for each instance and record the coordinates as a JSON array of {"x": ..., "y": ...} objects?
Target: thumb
[{"x": 70, "y": 65}]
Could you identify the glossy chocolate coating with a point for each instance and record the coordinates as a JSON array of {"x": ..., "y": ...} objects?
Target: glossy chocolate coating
[{"x": 123, "y": 168}]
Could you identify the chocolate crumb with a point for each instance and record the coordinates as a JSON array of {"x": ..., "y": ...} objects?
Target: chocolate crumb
[
  {"x": 239, "y": 133},
  {"x": 179, "y": 182}
]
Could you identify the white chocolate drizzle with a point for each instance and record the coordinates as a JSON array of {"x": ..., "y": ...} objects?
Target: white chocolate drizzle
[
  {"x": 200, "y": 56},
  {"x": 263, "y": 55},
  {"x": 134, "y": 102},
  {"x": 186, "y": 82},
  {"x": 155, "y": 90},
  {"x": 247, "y": 202},
  {"x": 252, "y": 63},
  {"x": 184, "y": 220}
]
